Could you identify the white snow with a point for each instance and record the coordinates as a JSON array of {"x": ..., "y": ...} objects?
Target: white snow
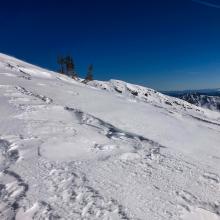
[
  {"x": 201, "y": 214},
  {"x": 27, "y": 215},
  {"x": 106, "y": 150}
]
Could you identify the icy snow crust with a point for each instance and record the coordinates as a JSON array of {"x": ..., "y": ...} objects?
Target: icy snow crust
[{"x": 107, "y": 150}]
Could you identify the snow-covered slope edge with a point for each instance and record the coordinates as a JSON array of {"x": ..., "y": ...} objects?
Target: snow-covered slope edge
[
  {"x": 140, "y": 93},
  {"x": 75, "y": 151}
]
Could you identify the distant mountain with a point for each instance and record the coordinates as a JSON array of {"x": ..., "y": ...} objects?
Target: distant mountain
[
  {"x": 210, "y": 102},
  {"x": 209, "y": 92},
  {"x": 206, "y": 98}
]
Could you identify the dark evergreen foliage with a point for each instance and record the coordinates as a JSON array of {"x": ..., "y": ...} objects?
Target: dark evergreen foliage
[{"x": 89, "y": 76}]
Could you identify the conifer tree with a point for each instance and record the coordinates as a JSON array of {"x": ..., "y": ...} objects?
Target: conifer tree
[
  {"x": 89, "y": 76},
  {"x": 61, "y": 62},
  {"x": 70, "y": 67}
]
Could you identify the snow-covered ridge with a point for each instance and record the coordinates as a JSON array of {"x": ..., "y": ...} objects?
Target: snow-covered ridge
[
  {"x": 135, "y": 92},
  {"x": 105, "y": 150},
  {"x": 148, "y": 95},
  {"x": 28, "y": 70}
]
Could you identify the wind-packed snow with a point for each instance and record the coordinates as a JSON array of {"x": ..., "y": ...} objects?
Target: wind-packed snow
[
  {"x": 106, "y": 150},
  {"x": 201, "y": 214}
]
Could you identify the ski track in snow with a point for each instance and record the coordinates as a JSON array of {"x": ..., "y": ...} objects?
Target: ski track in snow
[
  {"x": 71, "y": 195},
  {"x": 26, "y": 92},
  {"x": 124, "y": 176},
  {"x": 69, "y": 189},
  {"x": 112, "y": 132},
  {"x": 13, "y": 192}
]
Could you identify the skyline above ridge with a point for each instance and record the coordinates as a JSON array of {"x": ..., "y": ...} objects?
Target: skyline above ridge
[{"x": 172, "y": 45}]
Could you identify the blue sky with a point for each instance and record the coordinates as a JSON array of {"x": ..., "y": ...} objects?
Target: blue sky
[{"x": 163, "y": 44}]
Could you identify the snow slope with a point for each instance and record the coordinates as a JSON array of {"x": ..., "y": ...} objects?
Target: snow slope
[{"x": 107, "y": 150}]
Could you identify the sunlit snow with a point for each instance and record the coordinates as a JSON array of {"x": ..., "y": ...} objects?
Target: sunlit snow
[{"x": 106, "y": 150}]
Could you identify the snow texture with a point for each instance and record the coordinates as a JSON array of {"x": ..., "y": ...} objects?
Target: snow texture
[{"x": 105, "y": 150}]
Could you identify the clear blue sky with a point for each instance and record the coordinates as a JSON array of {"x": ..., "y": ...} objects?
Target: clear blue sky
[{"x": 163, "y": 44}]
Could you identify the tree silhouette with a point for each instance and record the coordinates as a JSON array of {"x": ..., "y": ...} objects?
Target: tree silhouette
[
  {"x": 89, "y": 76},
  {"x": 61, "y": 62},
  {"x": 70, "y": 67}
]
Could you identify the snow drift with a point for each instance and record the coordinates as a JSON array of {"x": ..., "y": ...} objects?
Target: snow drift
[{"x": 106, "y": 150}]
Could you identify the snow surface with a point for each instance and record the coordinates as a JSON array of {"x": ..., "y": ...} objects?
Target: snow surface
[
  {"x": 106, "y": 150},
  {"x": 201, "y": 214}
]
